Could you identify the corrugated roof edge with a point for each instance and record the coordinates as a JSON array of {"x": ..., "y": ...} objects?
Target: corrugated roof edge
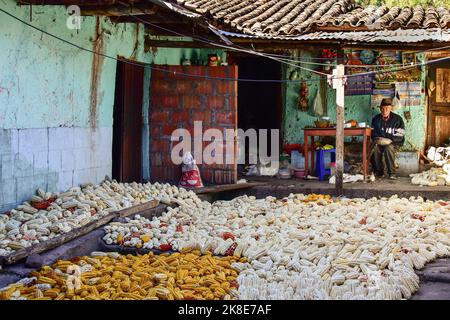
[{"x": 400, "y": 36}]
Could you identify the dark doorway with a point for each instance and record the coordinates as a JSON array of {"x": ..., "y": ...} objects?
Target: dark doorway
[
  {"x": 259, "y": 103},
  {"x": 128, "y": 121}
]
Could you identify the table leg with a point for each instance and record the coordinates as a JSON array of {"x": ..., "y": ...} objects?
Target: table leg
[
  {"x": 305, "y": 152},
  {"x": 369, "y": 150},
  {"x": 313, "y": 162},
  {"x": 365, "y": 156}
]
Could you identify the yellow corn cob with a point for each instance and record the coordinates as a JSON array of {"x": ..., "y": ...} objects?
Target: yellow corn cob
[
  {"x": 94, "y": 291},
  {"x": 188, "y": 286},
  {"x": 46, "y": 280},
  {"x": 125, "y": 285},
  {"x": 201, "y": 289},
  {"x": 124, "y": 269},
  {"x": 162, "y": 292},
  {"x": 6, "y": 295},
  {"x": 104, "y": 286},
  {"x": 220, "y": 291},
  {"x": 167, "y": 277},
  {"x": 105, "y": 279},
  {"x": 105, "y": 295},
  {"x": 186, "y": 250},
  {"x": 170, "y": 259},
  {"x": 91, "y": 274},
  {"x": 147, "y": 285},
  {"x": 60, "y": 296},
  {"x": 38, "y": 294},
  {"x": 93, "y": 261},
  {"x": 177, "y": 294},
  {"x": 52, "y": 293}
]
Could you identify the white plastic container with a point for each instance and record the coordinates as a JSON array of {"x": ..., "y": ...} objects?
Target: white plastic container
[{"x": 297, "y": 160}]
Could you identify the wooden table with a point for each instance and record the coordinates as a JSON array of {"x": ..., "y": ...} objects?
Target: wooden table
[{"x": 327, "y": 132}]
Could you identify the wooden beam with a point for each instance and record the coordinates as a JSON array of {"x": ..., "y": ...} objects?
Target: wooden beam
[
  {"x": 155, "y": 19},
  {"x": 273, "y": 44},
  {"x": 138, "y": 208},
  {"x": 175, "y": 44},
  {"x": 66, "y": 2},
  {"x": 119, "y": 10},
  {"x": 228, "y": 187},
  {"x": 56, "y": 241},
  {"x": 18, "y": 255}
]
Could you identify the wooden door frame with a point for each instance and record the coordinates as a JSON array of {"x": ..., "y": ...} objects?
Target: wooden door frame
[
  {"x": 433, "y": 110},
  {"x": 117, "y": 143}
]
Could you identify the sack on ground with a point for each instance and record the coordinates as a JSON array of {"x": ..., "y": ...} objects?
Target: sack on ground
[{"x": 190, "y": 174}]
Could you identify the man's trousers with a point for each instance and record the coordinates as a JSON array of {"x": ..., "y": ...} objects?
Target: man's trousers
[{"x": 388, "y": 152}]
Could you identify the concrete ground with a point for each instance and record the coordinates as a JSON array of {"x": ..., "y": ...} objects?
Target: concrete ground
[
  {"x": 380, "y": 188},
  {"x": 434, "y": 281},
  {"x": 434, "y": 278}
]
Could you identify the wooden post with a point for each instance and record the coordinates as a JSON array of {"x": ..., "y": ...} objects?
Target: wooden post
[{"x": 338, "y": 84}]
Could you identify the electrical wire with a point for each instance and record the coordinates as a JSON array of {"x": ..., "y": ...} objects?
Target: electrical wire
[
  {"x": 152, "y": 67},
  {"x": 222, "y": 46},
  {"x": 268, "y": 55},
  {"x": 224, "y": 78},
  {"x": 395, "y": 67}
]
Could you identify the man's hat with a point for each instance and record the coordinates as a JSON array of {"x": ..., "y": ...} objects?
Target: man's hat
[{"x": 386, "y": 102}]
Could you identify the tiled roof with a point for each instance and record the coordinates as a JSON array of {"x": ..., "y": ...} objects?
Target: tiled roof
[
  {"x": 296, "y": 17},
  {"x": 405, "y": 36}
]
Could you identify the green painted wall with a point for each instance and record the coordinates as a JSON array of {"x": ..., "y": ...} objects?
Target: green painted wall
[
  {"x": 56, "y": 101},
  {"x": 47, "y": 83},
  {"x": 356, "y": 107}
]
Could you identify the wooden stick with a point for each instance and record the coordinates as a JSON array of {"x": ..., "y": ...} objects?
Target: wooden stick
[
  {"x": 338, "y": 84},
  {"x": 57, "y": 241}
]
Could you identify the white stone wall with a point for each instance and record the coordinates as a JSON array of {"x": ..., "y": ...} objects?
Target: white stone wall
[{"x": 53, "y": 159}]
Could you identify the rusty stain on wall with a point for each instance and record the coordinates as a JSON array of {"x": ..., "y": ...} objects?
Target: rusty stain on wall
[
  {"x": 136, "y": 44},
  {"x": 147, "y": 47},
  {"x": 97, "y": 61}
]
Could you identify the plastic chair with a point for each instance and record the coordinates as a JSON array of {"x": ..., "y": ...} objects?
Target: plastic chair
[{"x": 321, "y": 171}]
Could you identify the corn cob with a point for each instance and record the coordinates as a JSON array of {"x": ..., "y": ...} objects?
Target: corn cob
[
  {"x": 27, "y": 209},
  {"x": 129, "y": 277}
]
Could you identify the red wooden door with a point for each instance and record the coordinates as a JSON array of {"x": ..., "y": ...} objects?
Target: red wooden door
[
  {"x": 128, "y": 121},
  {"x": 176, "y": 101}
]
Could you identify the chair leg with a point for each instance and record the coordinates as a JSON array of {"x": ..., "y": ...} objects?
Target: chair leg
[
  {"x": 322, "y": 165},
  {"x": 318, "y": 161}
]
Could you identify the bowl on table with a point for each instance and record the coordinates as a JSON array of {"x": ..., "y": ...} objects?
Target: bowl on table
[{"x": 322, "y": 123}]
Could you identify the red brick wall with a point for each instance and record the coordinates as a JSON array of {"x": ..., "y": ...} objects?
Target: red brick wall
[{"x": 176, "y": 101}]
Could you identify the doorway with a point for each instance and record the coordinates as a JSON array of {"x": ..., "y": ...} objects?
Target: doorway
[
  {"x": 259, "y": 103},
  {"x": 128, "y": 122},
  {"x": 438, "y": 104}
]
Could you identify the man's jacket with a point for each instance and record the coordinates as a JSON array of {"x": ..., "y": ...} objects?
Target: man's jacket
[{"x": 393, "y": 128}]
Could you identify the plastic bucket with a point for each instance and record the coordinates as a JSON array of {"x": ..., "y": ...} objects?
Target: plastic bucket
[{"x": 300, "y": 173}]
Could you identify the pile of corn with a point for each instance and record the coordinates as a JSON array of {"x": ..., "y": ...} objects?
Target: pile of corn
[
  {"x": 433, "y": 177},
  {"x": 111, "y": 276},
  {"x": 307, "y": 246},
  {"x": 47, "y": 215}
]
